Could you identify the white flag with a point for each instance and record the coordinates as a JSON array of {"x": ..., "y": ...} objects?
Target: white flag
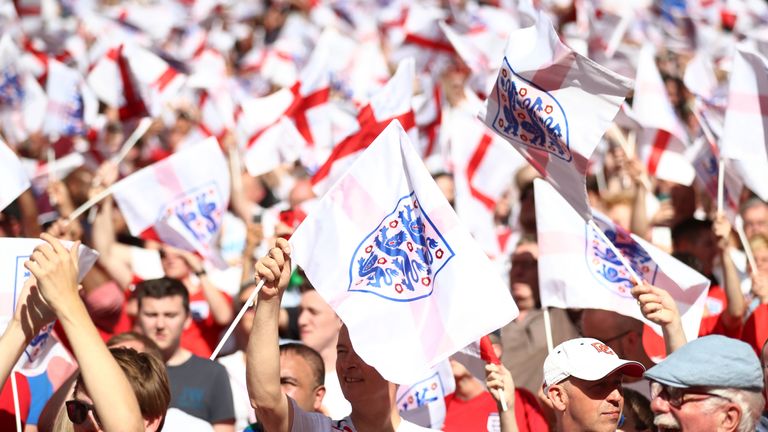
[
  {"x": 744, "y": 137},
  {"x": 423, "y": 402},
  {"x": 577, "y": 269},
  {"x": 385, "y": 249},
  {"x": 553, "y": 105},
  {"x": 13, "y": 177},
  {"x": 180, "y": 200}
]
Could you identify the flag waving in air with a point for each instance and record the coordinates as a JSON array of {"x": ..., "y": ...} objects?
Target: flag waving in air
[
  {"x": 582, "y": 271},
  {"x": 385, "y": 249},
  {"x": 553, "y": 105},
  {"x": 12, "y": 175},
  {"x": 180, "y": 200}
]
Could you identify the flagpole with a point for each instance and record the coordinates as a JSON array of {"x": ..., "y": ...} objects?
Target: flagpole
[
  {"x": 720, "y": 184},
  {"x": 90, "y": 203},
  {"x": 51, "y": 156},
  {"x": 616, "y": 251},
  {"x": 139, "y": 132},
  {"x": 239, "y": 316},
  {"x": 548, "y": 330},
  {"x": 16, "y": 408},
  {"x": 739, "y": 225}
]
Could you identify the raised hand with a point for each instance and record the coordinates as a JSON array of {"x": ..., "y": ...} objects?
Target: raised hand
[
  {"x": 275, "y": 269},
  {"x": 56, "y": 270},
  {"x": 32, "y": 312}
]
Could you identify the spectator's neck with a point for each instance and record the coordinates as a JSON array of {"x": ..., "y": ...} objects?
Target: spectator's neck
[{"x": 178, "y": 357}]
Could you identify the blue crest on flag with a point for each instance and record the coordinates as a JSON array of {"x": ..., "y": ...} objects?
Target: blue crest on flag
[
  {"x": 530, "y": 116},
  {"x": 11, "y": 92},
  {"x": 400, "y": 259},
  {"x": 425, "y": 391},
  {"x": 199, "y": 211},
  {"x": 605, "y": 265}
]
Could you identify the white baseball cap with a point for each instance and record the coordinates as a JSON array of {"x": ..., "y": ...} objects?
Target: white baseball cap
[{"x": 587, "y": 359}]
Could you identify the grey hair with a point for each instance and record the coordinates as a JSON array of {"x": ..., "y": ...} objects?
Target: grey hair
[{"x": 750, "y": 402}]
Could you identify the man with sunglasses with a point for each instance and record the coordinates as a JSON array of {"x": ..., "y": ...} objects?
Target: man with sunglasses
[
  {"x": 583, "y": 383},
  {"x": 713, "y": 383}
]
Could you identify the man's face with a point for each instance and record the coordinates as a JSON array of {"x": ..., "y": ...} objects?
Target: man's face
[
  {"x": 692, "y": 415},
  {"x": 595, "y": 405},
  {"x": 704, "y": 248},
  {"x": 318, "y": 323},
  {"x": 524, "y": 275},
  {"x": 764, "y": 362},
  {"x": 173, "y": 264},
  {"x": 298, "y": 382},
  {"x": 756, "y": 220},
  {"x": 163, "y": 320},
  {"x": 359, "y": 382}
]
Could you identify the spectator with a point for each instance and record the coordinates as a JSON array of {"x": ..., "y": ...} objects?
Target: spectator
[
  {"x": 523, "y": 412},
  {"x": 711, "y": 383},
  {"x": 755, "y": 215},
  {"x": 583, "y": 381},
  {"x": 199, "y": 386}
]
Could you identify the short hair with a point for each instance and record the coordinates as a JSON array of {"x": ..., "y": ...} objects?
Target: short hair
[
  {"x": 750, "y": 203},
  {"x": 150, "y": 347},
  {"x": 688, "y": 230},
  {"x": 148, "y": 378},
  {"x": 162, "y": 288},
  {"x": 313, "y": 359},
  {"x": 750, "y": 402}
]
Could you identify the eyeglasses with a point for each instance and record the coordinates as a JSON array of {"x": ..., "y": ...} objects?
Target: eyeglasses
[
  {"x": 676, "y": 397},
  {"x": 77, "y": 411}
]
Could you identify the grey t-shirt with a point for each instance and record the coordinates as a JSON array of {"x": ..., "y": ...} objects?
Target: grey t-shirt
[{"x": 200, "y": 388}]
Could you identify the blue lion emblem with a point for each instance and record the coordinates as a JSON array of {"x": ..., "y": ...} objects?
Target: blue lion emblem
[
  {"x": 530, "y": 116},
  {"x": 605, "y": 265},
  {"x": 199, "y": 211},
  {"x": 423, "y": 392},
  {"x": 400, "y": 259}
]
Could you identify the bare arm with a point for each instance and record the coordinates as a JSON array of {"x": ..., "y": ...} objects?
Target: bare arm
[
  {"x": 736, "y": 307},
  {"x": 55, "y": 268},
  {"x": 221, "y": 309},
  {"x": 263, "y": 355},
  {"x": 659, "y": 307},
  {"x": 499, "y": 382},
  {"x": 28, "y": 207}
]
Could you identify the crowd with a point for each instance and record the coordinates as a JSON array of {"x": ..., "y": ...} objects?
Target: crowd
[{"x": 136, "y": 334}]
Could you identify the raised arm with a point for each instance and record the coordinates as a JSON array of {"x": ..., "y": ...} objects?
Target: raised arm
[
  {"x": 659, "y": 307},
  {"x": 263, "y": 354},
  {"x": 499, "y": 383},
  {"x": 31, "y": 315},
  {"x": 56, "y": 270},
  {"x": 734, "y": 312},
  {"x": 221, "y": 308}
]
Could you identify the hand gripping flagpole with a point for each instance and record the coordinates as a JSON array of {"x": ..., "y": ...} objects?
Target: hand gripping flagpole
[
  {"x": 239, "y": 316},
  {"x": 739, "y": 225}
]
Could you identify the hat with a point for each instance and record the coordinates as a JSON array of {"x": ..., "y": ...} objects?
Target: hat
[
  {"x": 710, "y": 361},
  {"x": 587, "y": 359}
]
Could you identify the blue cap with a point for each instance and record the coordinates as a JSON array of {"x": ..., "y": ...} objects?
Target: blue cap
[{"x": 710, "y": 361}]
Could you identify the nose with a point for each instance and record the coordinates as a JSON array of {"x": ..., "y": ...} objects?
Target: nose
[
  {"x": 615, "y": 397},
  {"x": 659, "y": 405}
]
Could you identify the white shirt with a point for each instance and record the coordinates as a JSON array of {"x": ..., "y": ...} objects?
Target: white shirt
[
  {"x": 305, "y": 422},
  {"x": 235, "y": 366},
  {"x": 178, "y": 420}
]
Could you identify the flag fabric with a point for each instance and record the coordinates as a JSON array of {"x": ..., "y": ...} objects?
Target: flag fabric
[
  {"x": 188, "y": 199},
  {"x": 65, "y": 114},
  {"x": 279, "y": 144},
  {"x": 577, "y": 269},
  {"x": 476, "y": 355},
  {"x": 13, "y": 177},
  {"x": 114, "y": 83},
  {"x": 390, "y": 103},
  {"x": 553, "y": 105},
  {"x": 744, "y": 133},
  {"x": 662, "y": 143},
  {"x": 423, "y": 402},
  {"x": 705, "y": 160},
  {"x": 385, "y": 246}
]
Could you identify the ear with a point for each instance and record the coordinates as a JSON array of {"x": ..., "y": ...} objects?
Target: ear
[
  {"x": 152, "y": 425},
  {"x": 557, "y": 395},
  {"x": 731, "y": 417},
  {"x": 319, "y": 395},
  {"x": 188, "y": 321}
]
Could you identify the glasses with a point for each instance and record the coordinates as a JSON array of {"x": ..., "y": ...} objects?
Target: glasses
[
  {"x": 77, "y": 411},
  {"x": 676, "y": 397}
]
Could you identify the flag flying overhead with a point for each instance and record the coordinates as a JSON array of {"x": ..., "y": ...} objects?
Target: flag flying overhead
[
  {"x": 553, "y": 105},
  {"x": 385, "y": 249},
  {"x": 583, "y": 272}
]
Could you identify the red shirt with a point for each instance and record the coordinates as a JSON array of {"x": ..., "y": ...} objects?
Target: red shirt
[
  {"x": 203, "y": 335},
  {"x": 756, "y": 328},
  {"x": 7, "y": 412},
  {"x": 480, "y": 413}
]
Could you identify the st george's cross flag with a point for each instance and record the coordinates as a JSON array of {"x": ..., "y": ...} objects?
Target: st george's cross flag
[
  {"x": 553, "y": 105},
  {"x": 745, "y": 136},
  {"x": 13, "y": 177},
  {"x": 180, "y": 200},
  {"x": 391, "y": 102},
  {"x": 577, "y": 268},
  {"x": 387, "y": 252}
]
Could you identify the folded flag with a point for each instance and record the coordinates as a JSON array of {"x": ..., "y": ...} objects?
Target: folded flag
[{"x": 13, "y": 177}]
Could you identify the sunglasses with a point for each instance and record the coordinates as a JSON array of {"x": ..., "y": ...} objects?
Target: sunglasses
[{"x": 77, "y": 411}]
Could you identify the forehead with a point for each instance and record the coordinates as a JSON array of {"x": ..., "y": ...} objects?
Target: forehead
[
  {"x": 759, "y": 211},
  {"x": 294, "y": 365},
  {"x": 165, "y": 304},
  {"x": 528, "y": 249},
  {"x": 311, "y": 299}
]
